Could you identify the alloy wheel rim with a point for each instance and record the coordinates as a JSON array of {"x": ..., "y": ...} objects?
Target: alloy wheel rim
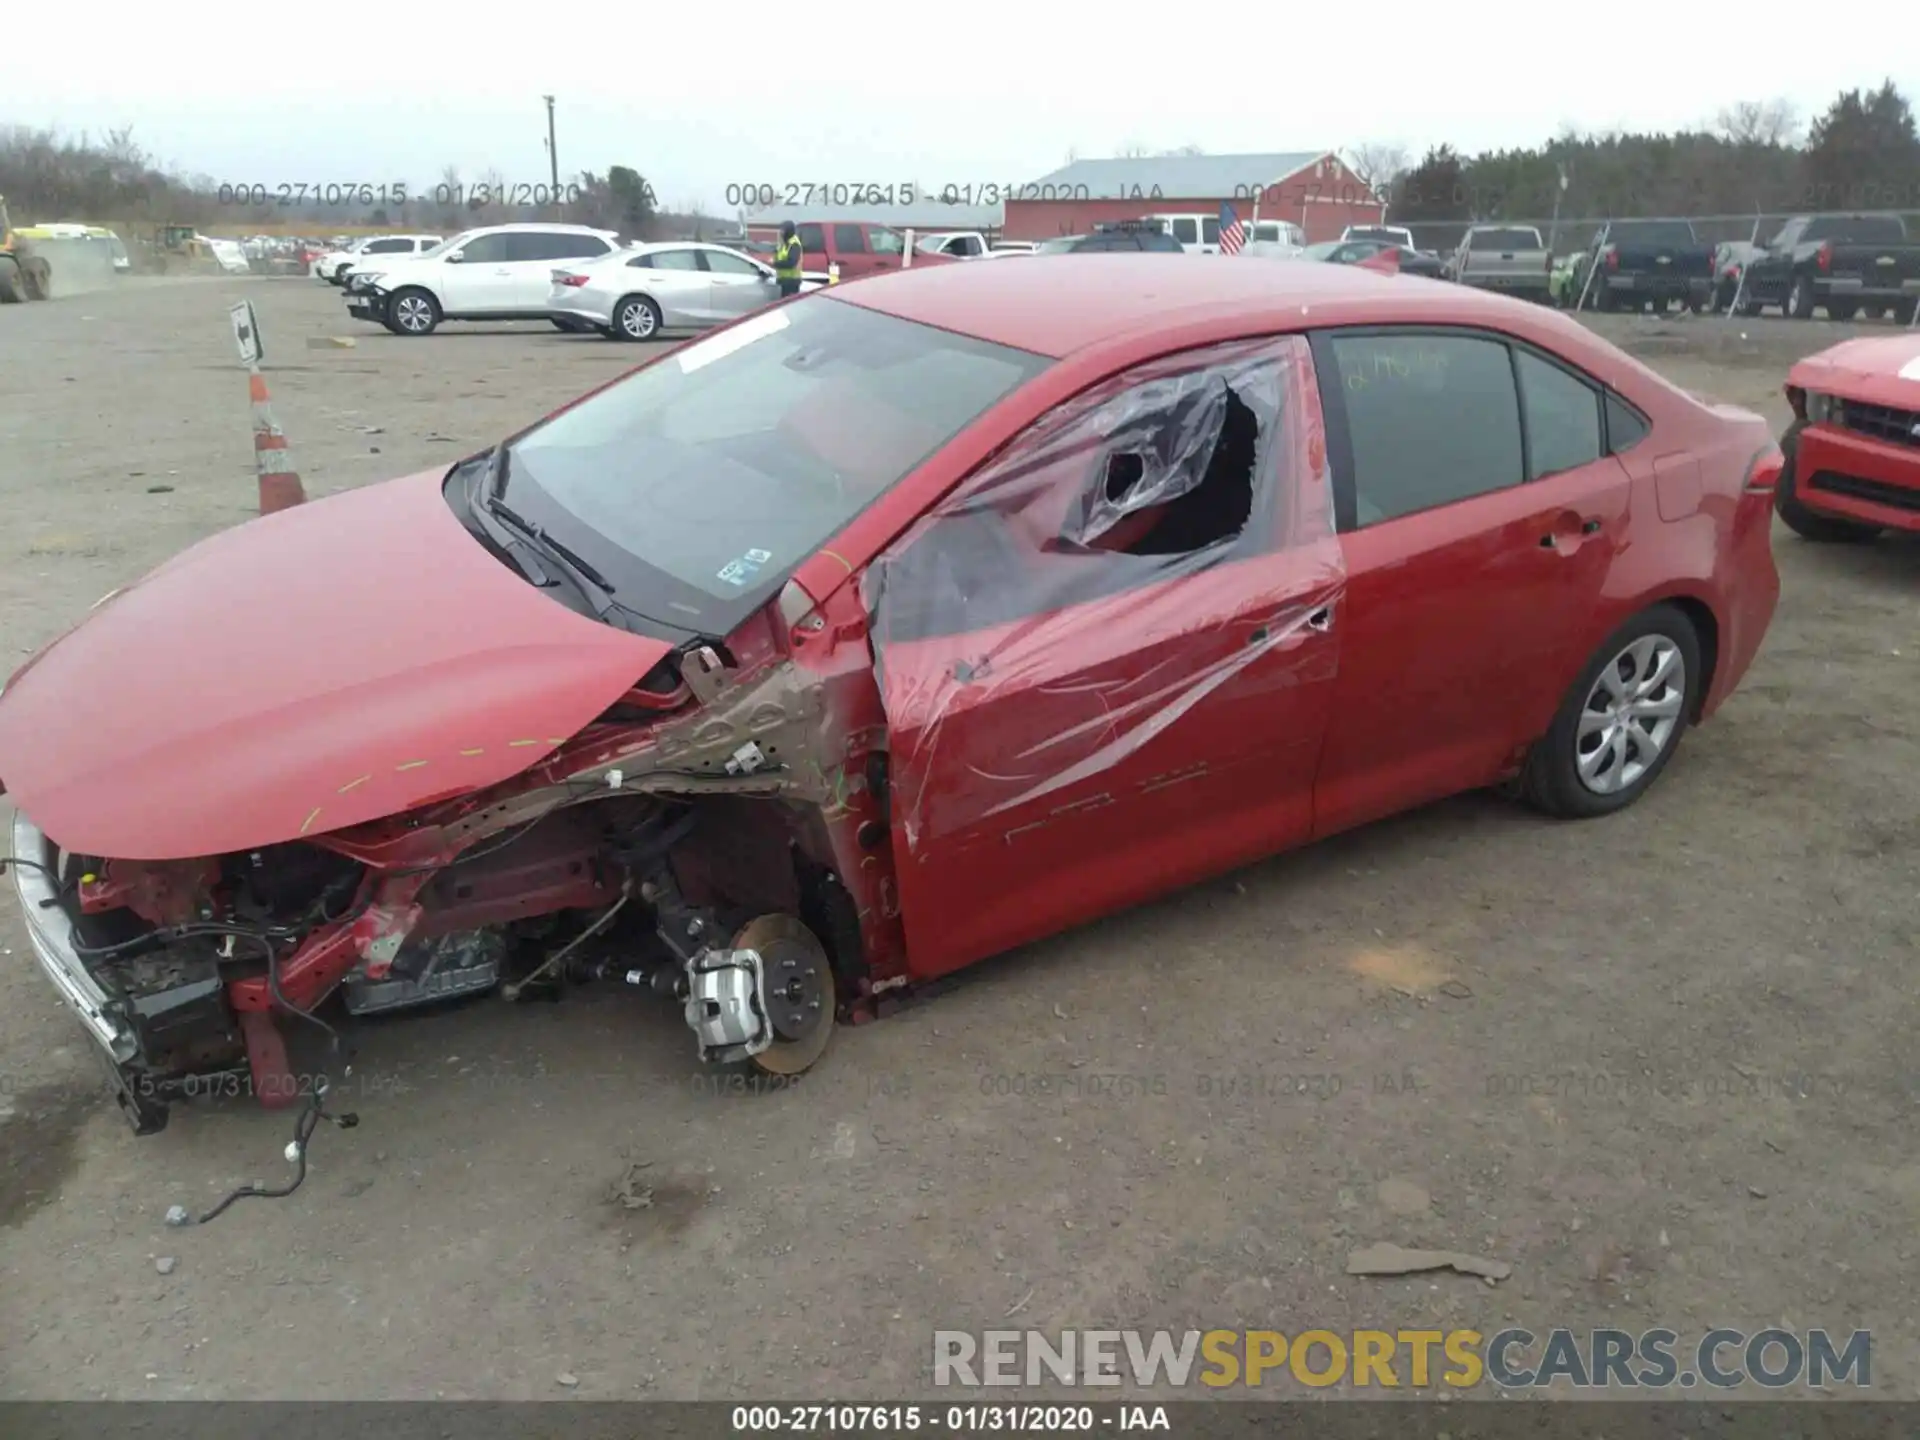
[
  {"x": 1630, "y": 715},
  {"x": 413, "y": 313},
  {"x": 638, "y": 321}
]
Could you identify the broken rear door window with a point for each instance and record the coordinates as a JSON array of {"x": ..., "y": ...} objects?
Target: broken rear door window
[{"x": 1155, "y": 474}]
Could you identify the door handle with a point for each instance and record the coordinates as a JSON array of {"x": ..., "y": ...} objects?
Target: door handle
[{"x": 1551, "y": 540}]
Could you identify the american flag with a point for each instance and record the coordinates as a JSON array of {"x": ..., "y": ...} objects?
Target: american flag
[{"x": 1232, "y": 233}]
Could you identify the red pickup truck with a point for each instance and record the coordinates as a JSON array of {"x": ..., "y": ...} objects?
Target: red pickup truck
[{"x": 857, "y": 247}]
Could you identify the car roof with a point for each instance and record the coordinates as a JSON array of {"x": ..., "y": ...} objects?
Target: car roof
[
  {"x": 546, "y": 225},
  {"x": 1065, "y": 303}
]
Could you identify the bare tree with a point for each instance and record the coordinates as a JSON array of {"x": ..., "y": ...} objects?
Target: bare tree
[
  {"x": 1379, "y": 164},
  {"x": 1073, "y": 154},
  {"x": 1134, "y": 150},
  {"x": 1184, "y": 150},
  {"x": 1759, "y": 122}
]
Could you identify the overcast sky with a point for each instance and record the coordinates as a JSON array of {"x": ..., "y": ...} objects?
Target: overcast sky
[{"x": 989, "y": 92}]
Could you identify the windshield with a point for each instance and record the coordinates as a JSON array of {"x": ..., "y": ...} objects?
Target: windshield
[
  {"x": 1324, "y": 248},
  {"x": 1652, "y": 232},
  {"x": 1509, "y": 238},
  {"x": 1059, "y": 245},
  {"x": 698, "y": 483},
  {"x": 1376, "y": 232}
]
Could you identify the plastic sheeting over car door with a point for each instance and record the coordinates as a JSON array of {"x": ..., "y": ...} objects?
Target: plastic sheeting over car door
[{"x": 1106, "y": 657}]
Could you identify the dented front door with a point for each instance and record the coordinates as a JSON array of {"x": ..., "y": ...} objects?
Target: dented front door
[{"x": 1077, "y": 723}]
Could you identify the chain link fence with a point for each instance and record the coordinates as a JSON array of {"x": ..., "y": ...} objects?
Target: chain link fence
[{"x": 1567, "y": 236}]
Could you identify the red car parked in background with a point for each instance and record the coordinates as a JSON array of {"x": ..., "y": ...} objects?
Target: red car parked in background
[
  {"x": 1854, "y": 446},
  {"x": 890, "y": 627}
]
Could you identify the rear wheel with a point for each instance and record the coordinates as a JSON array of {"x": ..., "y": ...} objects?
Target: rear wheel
[
  {"x": 636, "y": 318},
  {"x": 1800, "y": 298},
  {"x": 1903, "y": 312},
  {"x": 1622, "y": 720}
]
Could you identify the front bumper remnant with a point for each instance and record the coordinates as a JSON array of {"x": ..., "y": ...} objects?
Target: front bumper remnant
[{"x": 50, "y": 933}]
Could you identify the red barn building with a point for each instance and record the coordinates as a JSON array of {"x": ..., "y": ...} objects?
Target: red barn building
[{"x": 1314, "y": 189}]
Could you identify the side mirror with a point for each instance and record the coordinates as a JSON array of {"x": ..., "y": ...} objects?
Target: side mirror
[{"x": 456, "y": 257}]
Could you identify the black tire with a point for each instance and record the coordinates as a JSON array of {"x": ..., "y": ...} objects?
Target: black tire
[
  {"x": 1800, "y": 301},
  {"x": 1810, "y": 524},
  {"x": 413, "y": 312},
  {"x": 1874, "y": 312},
  {"x": 1601, "y": 297},
  {"x": 11, "y": 291},
  {"x": 1551, "y": 780},
  {"x": 636, "y": 318},
  {"x": 339, "y": 276},
  {"x": 1842, "y": 310},
  {"x": 1903, "y": 312}
]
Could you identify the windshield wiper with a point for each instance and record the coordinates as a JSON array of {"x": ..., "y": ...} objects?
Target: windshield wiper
[{"x": 536, "y": 535}]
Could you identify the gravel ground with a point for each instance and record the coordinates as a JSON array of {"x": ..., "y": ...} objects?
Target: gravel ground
[{"x": 1440, "y": 1031}]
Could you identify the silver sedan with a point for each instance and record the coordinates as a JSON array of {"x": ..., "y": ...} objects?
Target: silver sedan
[{"x": 646, "y": 290}]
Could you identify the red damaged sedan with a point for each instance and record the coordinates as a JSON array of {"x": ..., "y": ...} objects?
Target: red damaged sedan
[
  {"x": 889, "y": 628},
  {"x": 1854, "y": 445}
]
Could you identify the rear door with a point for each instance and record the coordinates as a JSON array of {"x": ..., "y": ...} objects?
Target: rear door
[
  {"x": 851, "y": 250},
  {"x": 1107, "y": 658},
  {"x": 1479, "y": 516},
  {"x": 537, "y": 253},
  {"x": 679, "y": 283}
]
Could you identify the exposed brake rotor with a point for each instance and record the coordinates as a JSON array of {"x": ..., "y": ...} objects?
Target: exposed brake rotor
[{"x": 797, "y": 994}]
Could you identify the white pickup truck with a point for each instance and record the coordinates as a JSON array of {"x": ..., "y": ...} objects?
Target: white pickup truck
[{"x": 958, "y": 244}]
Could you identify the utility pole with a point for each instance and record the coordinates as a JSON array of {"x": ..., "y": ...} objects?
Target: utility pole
[{"x": 553, "y": 154}]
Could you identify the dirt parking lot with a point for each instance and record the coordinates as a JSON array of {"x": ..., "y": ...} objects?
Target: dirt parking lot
[{"x": 1661, "y": 1064}]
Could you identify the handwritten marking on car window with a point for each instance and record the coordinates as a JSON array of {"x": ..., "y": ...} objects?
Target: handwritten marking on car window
[{"x": 1359, "y": 372}]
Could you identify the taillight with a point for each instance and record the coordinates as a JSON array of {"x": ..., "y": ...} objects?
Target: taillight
[
  {"x": 573, "y": 280},
  {"x": 1763, "y": 473},
  {"x": 1613, "y": 258},
  {"x": 1825, "y": 258}
]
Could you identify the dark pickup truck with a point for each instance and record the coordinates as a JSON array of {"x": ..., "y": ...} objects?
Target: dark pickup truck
[
  {"x": 1844, "y": 264},
  {"x": 1637, "y": 263}
]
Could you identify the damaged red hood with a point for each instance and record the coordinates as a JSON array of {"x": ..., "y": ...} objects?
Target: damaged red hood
[
  {"x": 1879, "y": 369},
  {"x": 334, "y": 663}
]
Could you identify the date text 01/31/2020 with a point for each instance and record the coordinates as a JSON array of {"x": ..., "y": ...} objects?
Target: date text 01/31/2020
[{"x": 371, "y": 192}]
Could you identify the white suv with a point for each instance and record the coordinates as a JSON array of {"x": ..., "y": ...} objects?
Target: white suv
[
  {"x": 499, "y": 272},
  {"x": 336, "y": 265}
]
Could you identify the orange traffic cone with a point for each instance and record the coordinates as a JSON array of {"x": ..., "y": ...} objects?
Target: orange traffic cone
[{"x": 280, "y": 487}]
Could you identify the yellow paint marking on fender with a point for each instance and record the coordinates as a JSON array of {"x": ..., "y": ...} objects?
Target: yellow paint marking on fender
[
  {"x": 515, "y": 744},
  {"x": 410, "y": 765},
  {"x": 841, "y": 558},
  {"x": 477, "y": 750},
  {"x": 312, "y": 815},
  {"x": 352, "y": 784}
]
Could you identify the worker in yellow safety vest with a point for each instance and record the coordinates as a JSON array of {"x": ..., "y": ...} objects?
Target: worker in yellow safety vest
[{"x": 788, "y": 259}]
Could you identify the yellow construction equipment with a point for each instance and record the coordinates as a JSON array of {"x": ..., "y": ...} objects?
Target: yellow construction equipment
[{"x": 23, "y": 274}]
